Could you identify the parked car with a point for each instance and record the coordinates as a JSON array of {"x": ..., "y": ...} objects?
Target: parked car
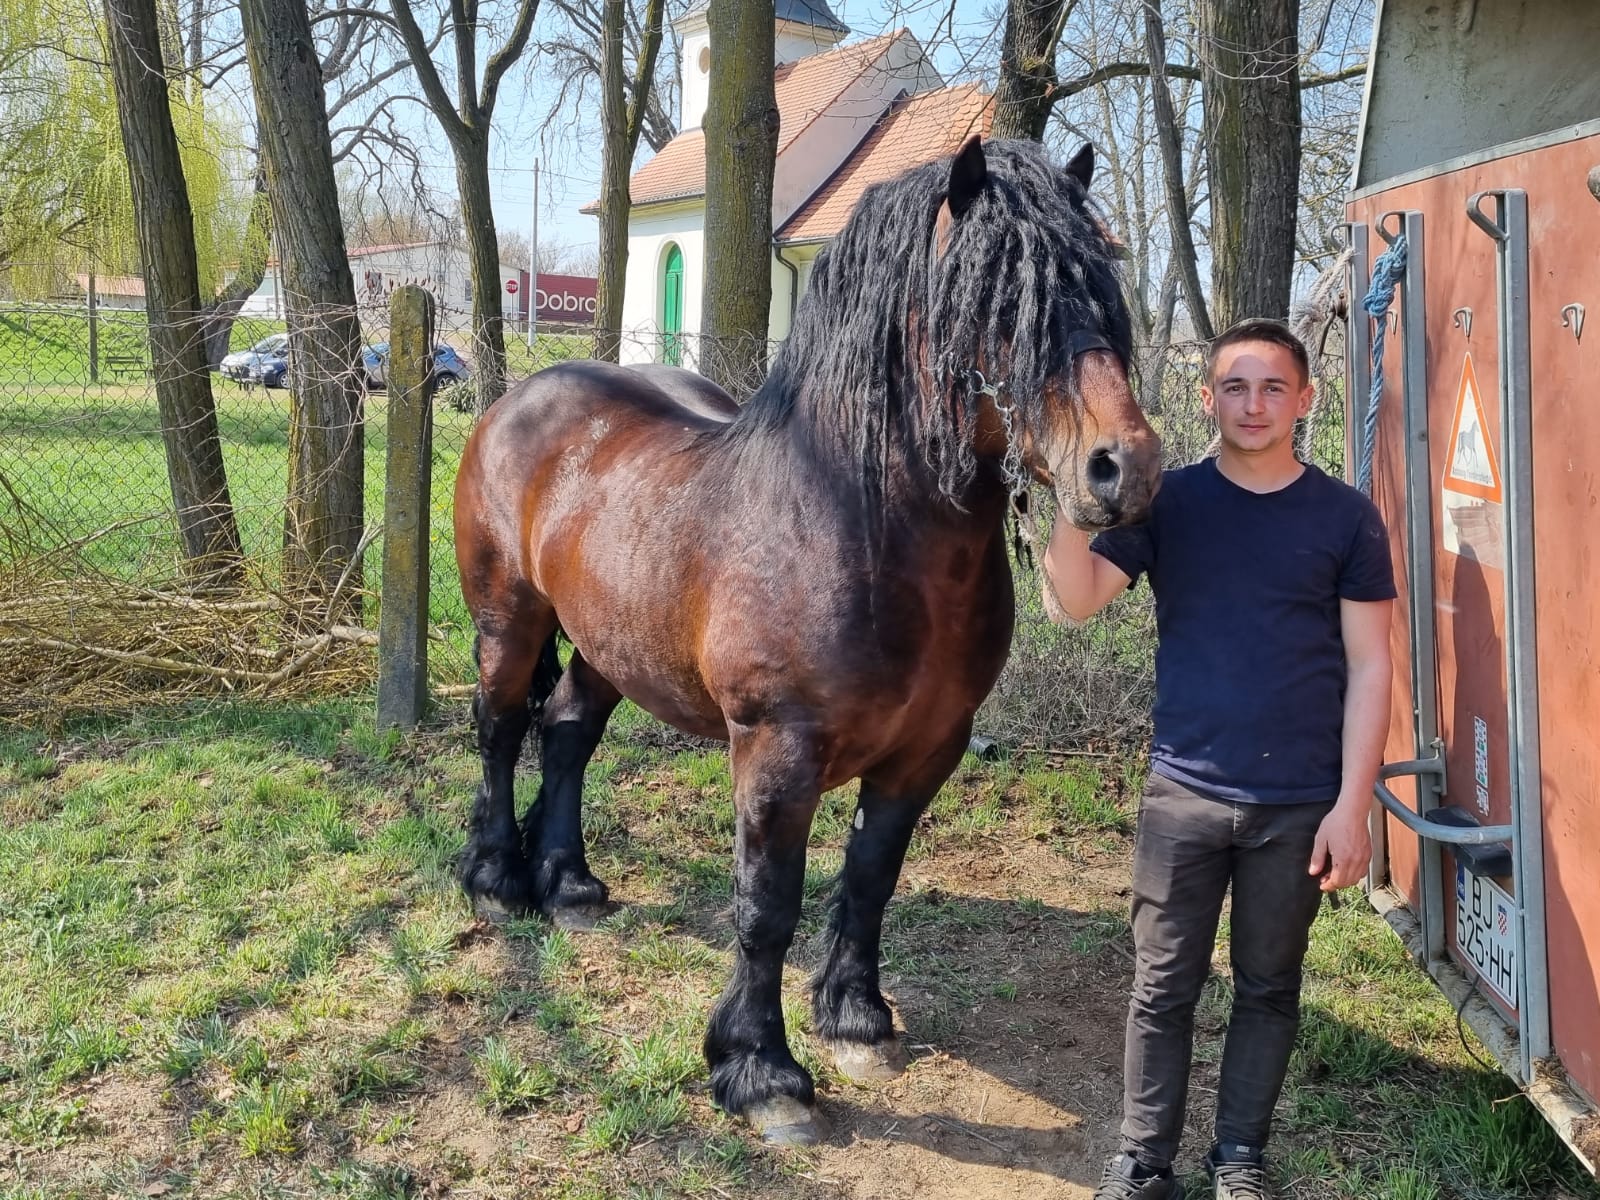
[
  {"x": 448, "y": 366},
  {"x": 239, "y": 365},
  {"x": 271, "y": 369}
]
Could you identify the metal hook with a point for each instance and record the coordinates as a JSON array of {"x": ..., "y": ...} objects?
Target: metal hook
[
  {"x": 1462, "y": 320},
  {"x": 1572, "y": 318},
  {"x": 1379, "y": 225},
  {"x": 1494, "y": 226},
  {"x": 1394, "y": 320}
]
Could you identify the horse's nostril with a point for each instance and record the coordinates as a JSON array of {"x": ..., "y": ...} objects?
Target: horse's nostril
[{"x": 1102, "y": 468}]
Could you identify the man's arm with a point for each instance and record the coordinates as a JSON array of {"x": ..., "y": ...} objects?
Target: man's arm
[
  {"x": 1344, "y": 845},
  {"x": 1077, "y": 582}
]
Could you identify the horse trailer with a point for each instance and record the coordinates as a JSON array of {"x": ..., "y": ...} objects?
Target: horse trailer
[{"x": 1474, "y": 225}]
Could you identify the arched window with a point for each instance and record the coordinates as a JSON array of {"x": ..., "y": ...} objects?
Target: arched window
[{"x": 672, "y": 307}]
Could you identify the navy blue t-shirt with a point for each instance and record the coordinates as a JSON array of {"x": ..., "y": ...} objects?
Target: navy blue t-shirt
[{"x": 1250, "y": 664}]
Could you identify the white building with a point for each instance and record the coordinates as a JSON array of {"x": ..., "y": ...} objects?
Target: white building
[
  {"x": 442, "y": 268},
  {"x": 850, "y": 116}
]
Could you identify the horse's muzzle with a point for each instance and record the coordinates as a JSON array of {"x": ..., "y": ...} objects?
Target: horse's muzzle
[{"x": 1117, "y": 483}]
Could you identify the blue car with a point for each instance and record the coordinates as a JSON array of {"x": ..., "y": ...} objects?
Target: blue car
[
  {"x": 448, "y": 366},
  {"x": 271, "y": 367},
  {"x": 241, "y": 364}
]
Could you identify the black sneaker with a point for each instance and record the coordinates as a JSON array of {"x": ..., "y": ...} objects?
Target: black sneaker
[
  {"x": 1237, "y": 1173},
  {"x": 1126, "y": 1178}
]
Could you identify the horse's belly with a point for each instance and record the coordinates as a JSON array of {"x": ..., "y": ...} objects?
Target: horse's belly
[{"x": 647, "y": 666}]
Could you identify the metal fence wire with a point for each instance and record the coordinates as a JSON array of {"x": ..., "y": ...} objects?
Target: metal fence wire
[{"x": 84, "y": 482}]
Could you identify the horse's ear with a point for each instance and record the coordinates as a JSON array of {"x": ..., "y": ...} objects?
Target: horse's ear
[
  {"x": 1081, "y": 167},
  {"x": 968, "y": 173}
]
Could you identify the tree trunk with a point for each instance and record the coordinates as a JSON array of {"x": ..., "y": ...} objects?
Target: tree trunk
[
  {"x": 741, "y": 125},
  {"x": 1170, "y": 137},
  {"x": 221, "y": 312},
  {"x": 324, "y": 519},
  {"x": 483, "y": 253},
  {"x": 1249, "y": 66},
  {"x": 165, "y": 227},
  {"x": 614, "y": 198},
  {"x": 1022, "y": 96}
]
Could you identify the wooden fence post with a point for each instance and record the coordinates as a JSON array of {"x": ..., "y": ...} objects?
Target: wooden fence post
[{"x": 407, "y": 495}]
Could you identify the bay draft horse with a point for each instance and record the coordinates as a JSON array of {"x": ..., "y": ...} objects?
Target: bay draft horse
[{"x": 819, "y": 577}]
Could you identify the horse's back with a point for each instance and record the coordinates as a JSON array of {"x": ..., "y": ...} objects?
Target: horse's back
[{"x": 690, "y": 389}]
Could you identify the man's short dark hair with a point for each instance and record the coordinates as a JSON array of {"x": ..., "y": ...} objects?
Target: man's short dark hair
[{"x": 1259, "y": 329}]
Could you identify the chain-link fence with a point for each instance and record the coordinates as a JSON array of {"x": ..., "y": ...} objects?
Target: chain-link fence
[{"x": 84, "y": 481}]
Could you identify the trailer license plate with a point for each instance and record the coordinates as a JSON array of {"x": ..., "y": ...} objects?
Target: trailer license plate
[{"x": 1486, "y": 932}]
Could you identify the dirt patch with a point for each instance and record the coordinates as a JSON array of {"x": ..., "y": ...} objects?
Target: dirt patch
[{"x": 1018, "y": 1093}]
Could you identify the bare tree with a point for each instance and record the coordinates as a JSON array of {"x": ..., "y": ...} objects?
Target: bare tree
[
  {"x": 622, "y": 112},
  {"x": 1023, "y": 96},
  {"x": 165, "y": 229},
  {"x": 360, "y": 75},
  {"x": 466, "y": 125},
  {"x": 323, "y": 524},
  {"x": 576, "y": 60},
  {"x": 741, "y": 126},
  {"x": 1250, "y": 63},
  {"x": 1169, "y": 137}
]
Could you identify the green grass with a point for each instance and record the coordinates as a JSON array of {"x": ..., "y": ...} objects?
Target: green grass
[
  {"x": 245, "y": 918},
  {"x": 1383, "y": 1101},
  {"x": 509, "y": 1083}
]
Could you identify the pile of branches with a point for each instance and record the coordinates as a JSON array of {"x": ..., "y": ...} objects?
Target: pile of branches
[{"x": 76, "y": 638}]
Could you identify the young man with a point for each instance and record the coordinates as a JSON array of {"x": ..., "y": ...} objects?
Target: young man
[{"x": 1273, "y": 590}]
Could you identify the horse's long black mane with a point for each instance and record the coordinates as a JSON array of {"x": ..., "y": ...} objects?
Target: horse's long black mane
[{"x": 1027, "y": 265}]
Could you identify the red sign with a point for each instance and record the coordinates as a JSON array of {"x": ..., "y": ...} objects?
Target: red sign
[
  {"x": 511, "y": 286},
  {"x": 563, "y": 299}
]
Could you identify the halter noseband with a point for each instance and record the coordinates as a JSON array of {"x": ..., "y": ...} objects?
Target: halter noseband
[{"x": 1079, "y": 341}]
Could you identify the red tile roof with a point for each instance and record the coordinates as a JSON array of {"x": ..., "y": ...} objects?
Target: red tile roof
[
  {"x": 914, "y": 130},
  {"x": 806, "y": 89}
]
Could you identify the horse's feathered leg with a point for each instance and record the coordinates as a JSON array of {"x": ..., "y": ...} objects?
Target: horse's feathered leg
[
  {"x": 847, "y": 1006},
  {"x": 753, "y": 1074},
  {"x": 575, "y": 717},
  {"x": 492, "y": 869}
]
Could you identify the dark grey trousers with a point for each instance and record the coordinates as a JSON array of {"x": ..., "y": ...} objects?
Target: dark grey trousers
[{"x": 1188, "y": 850}]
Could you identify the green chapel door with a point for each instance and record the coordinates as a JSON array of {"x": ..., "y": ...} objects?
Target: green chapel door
[{"x": 672, "y": 309}]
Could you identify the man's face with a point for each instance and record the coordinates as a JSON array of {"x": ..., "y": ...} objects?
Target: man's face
[{"x": 1256, "y": 394}]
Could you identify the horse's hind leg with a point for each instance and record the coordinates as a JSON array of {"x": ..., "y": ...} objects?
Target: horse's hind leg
[
  {"x": 575, "y": 717},
  {"x": 847, "y": 1006},
  {"x": 492, "y": 869}
]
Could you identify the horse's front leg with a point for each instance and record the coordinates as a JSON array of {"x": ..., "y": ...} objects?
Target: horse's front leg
[
  {"x": 753, "y": 1075},
  {"x": 847, "y": 1006}
]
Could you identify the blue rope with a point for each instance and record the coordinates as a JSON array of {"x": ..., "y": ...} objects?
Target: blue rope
[{"x": 1389, "y": 270}]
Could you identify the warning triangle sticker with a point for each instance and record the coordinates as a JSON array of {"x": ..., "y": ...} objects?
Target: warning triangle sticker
[{"x": 1471, "y": 467}]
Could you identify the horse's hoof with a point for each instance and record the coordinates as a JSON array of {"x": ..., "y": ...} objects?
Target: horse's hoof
[
  {"x": 870, "y": 1062},
  {"x": 785, "y": 1121},
  {"x": 494, "y": 910},
  {"x": 578, "y": 918}
]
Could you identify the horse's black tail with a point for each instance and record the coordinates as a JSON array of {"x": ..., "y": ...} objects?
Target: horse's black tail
[{"x": 546, "y": 672}]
